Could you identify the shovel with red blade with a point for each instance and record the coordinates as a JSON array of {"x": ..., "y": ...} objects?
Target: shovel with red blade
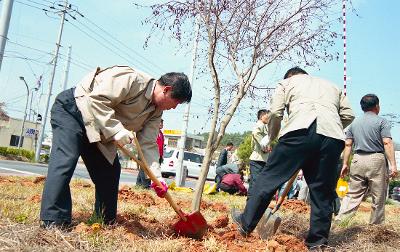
[{"x": 191, "y": 225}]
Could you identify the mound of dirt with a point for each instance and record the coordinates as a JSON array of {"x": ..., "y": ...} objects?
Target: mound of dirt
[
  {"x": 296, "y": 206},
  {"x": 127, "y": 194}
]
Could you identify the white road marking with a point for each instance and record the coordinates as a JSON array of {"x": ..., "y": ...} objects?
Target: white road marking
[{"x": 24, "y": 172}]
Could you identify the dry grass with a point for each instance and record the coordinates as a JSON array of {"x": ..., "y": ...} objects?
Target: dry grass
[{"x": 147, "y": 228}]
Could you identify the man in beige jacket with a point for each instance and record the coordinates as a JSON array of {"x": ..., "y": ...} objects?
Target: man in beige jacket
[
  {"x": 312, "y": 140},
  {"x": 106, "y": 106}
]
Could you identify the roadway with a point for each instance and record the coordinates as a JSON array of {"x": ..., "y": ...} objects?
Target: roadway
[{"x": 17, "y": 168}]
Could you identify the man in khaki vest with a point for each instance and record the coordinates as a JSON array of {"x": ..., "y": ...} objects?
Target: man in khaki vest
[
  {"x": 312, "y": 139},
  {"x": 259, "y": 156},
  {"x": 106, "y": 106}
]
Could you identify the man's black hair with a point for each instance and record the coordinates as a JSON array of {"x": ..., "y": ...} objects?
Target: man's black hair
[
  {"x": 181, "y": 89},
  {"x": 229, "y": 144},
  {"x": 262, "y": 112},
  {"x": 294, "y": 71},
  {"x": 369, "y": 102}
]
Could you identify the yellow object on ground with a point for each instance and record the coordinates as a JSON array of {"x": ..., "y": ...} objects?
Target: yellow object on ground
[
  {"x": 342, "y": 187},
  {"x": 96, "y": 227},
  {"x": 173, "y": 187},
  {"x": 210, "y": 189}
]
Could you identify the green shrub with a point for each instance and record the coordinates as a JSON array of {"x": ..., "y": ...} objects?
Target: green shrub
[
  {"x": 245, "y": 150},
  {"x": 8, "y": 151}
]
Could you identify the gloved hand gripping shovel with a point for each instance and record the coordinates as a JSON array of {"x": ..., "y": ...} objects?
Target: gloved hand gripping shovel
[
  {"x": 269, "y": 223},
  {"x": 192, "y": 225}
]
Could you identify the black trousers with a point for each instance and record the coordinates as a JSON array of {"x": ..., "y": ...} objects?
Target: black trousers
[
  {"x": 70, "y": 142},
  {"x": 255, "y": 169},
  {"x": 318, "y": 156}
]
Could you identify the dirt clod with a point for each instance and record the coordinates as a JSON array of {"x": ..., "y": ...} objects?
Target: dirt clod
[
  {"x": 39, "y": 179},
  {"x": 287, "y": 243},
  {"x": 221, "y": 222},
  {"x": 36, "y": 198}
]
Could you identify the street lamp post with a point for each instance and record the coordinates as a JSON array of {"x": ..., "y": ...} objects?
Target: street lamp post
[{"x": 26, "y": 106}]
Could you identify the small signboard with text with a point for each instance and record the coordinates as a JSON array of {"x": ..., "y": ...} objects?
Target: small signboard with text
[{"x": 31, "y": 132}]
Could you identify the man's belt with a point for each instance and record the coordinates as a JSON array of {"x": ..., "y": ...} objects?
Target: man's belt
[{"x": 367, "y": 152}]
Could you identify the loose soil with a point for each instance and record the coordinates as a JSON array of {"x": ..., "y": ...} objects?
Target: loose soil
[
  {"x": 221, "y": 234},
  {"x": 293, "y": 205},
  {"x": 127, "y": 194}
]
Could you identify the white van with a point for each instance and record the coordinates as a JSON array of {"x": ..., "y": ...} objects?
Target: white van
[{"x": 191, "y": 160}]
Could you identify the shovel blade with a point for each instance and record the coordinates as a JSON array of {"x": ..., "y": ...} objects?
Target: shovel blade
[
  {"x": 268, "y": 225},
  {"x": 195, "y": 226}
]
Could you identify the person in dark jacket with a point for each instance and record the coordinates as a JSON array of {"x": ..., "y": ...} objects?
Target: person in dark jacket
[{"x": 223, "y": 156}]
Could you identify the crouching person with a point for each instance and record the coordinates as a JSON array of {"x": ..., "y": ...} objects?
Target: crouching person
[
  {"x": 232, "y": 183},
  {"x": 105, "y": 107}
]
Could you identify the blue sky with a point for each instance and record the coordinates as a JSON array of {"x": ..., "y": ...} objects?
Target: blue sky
[{"x": 372, "y": 49}]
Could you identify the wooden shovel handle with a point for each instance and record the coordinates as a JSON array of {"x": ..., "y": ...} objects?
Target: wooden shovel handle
[
  {"x": 285, "y": 192},
  {"x": 146, "y": 169}
]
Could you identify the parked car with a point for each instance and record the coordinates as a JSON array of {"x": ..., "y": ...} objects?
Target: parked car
[
  {"x": 191, "y": 160},
  {"x": 396, "y": 193}
]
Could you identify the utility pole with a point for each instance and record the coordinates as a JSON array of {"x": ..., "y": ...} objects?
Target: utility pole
[
  {"x": 41, "y": 133},
  {"x": 30, "y": 106},
  {"x": 66, "y": 70},
  {"x": 4, "y": 24},
  {"x": 179, "y": 172},
  {"x": 26, "y": 106}
]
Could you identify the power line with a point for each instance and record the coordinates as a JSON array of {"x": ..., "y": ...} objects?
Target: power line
[
  {"x": 110, "y": 43},
  {"x": 35, "y": 7},
  {"x": 124, "y": 45},
  {"x": 107, "y": 44},
  {"x": 74, "y": 61},
  {"x": 28, "y": 47},
  {"x": 101, "y": 43}
]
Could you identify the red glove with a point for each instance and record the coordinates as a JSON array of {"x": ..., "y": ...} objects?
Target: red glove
[{"x": 160, "y": 191}]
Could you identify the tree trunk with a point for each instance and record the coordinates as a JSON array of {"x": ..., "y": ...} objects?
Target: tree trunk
[{"x": 202, "y": 179}]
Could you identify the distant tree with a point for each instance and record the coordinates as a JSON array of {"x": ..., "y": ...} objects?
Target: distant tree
[
  {"x": 245, "y": 150},
  {"x": 236, "y": 138},
  {"x": 240, "y": 38}
]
